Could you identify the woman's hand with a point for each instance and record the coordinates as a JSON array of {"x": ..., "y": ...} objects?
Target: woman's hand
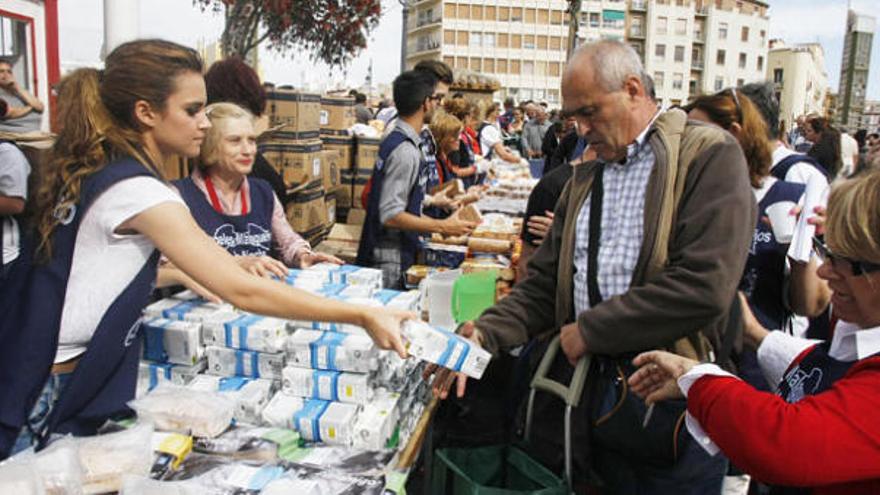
[
  {"x": 818, "y": 219},
  {"x": 383, "y": 325},
  {"x": 262, "y": 266},
  {"x": 312, "y": 258},
  {"x": 657, "y": 377}
]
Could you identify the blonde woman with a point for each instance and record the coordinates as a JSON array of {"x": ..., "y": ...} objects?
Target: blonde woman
[
  {"x": 818, "y": 430},
  {"x": 242, "y": 213},
  {"x": 489, "y": 134}
]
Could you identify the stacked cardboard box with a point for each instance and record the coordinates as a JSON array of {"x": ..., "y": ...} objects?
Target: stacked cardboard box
[
  {"x": 337, "y": 115},
  {"x": 294, "y": 112}
]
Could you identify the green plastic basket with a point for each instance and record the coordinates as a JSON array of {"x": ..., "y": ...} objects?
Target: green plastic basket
[
  {"x": 494, "y": 470},
  {"x": 472, "y": 294}
]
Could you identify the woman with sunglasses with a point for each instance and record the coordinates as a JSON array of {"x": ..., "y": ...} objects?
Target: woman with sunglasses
[
  {"x": 818, "y": 430},
  {"x": 773, "y": 294}
]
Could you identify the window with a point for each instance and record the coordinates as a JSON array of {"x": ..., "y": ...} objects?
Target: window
[
  {"x": 660, "y": 52},
  {"x": 614, "y": 19},
  {"x": 501, "y": 66},
  {"x": 677, "y": 81},
  {"x": 489, "y": 65},
  {"x": 462, "y": 38},
  {"x": 461, "y": 63},
  {"x": 543, "y": 16},
  {"x": 503, "y": 40},
  {"x": 681, "y": 27},
  {"x": 556, "y": 17},
  {"x": 449, "y": 11},
  {"x": 722, "y": 31},
  {"x": 777, "y": 76},
  {"x": 516, "y": 41},
  {"x": 679, "y": 53},
  {"x": 679, "y": 3},
  {"x": 719, "y": 83},
  {"x": 516, "y": 14},
  {"x": 745, "y": 34},
  {"x": 555, "y": 69},
  {"x": 763, "y": 36},
  {"x": 760, "y": 63},
  {"x": 553, "y": 95},
  {"x": 542, "y": 42},
  {"x": 514, "y": 67},
  {"x": 743, "y": 59},
  {"x": 450, "y": 61},
  {"x": 541, "y": 68},
  {"x": 636, "y": 26},
  {"x": 594, "y": 19},
  {"x": 658, "y": 80},
  {"x": 489, "y": 40},
  {"x": 464, "y": 11},
  {"x": 449, "y": 37},
  {"x": 696, "y": 57},
  {"x": 740, "y": 82},
  {"x": 490, "y": 13},
  {"x": 720, "y": 57},
  {"x": 476, "y": 40},
  {"x": 477, "y": 12},
  {"x": 476, "y": 64},
  {"x": 503, "y": 14},
  {"x": 555, "y": 43},
  {"x": 530, "y": 16},
  {"x": 662, "y": 25},
  {"x": 528, "y": 42}
]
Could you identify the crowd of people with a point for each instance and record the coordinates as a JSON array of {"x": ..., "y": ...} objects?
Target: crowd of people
[{"x": 653, "y": 243}]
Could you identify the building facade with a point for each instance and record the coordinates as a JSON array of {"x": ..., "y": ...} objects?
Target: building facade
[
  {"x": 854, "y": 68},
  {"x": 871, "y": 117},
  {"x": 798, "y": 73},
  {"x": 689, "y": 46}
]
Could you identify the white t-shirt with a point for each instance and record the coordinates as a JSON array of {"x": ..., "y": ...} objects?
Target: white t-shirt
[
  {"x": 849, "y": 147},
  {"x": 489, "y": 137},
  {"x": 800, "y": 172},
  {"x": 104, "y": 262},
  {"x": 14, "y": 171}
]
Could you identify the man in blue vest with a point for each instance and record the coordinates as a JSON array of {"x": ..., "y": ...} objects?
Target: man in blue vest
[{"x": 390, "y": 240}]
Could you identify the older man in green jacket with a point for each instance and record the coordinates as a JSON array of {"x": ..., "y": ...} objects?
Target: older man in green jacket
[{"x": 674, "y": 218}]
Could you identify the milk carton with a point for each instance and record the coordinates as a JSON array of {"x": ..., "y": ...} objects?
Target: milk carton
[
  {"x": 245, "y": 331},
  {"x": 223, "y": 361},
  {"x": 280, "y": 410},
  {"x": 329, "y": 422},
  {"x": 171, "y": 341},
  {"x": 402, "y": 300},
  {"x": 250, "y": 396},
  {"x": 332, "y": 351},
  {"x": 444, "y": 348},
  {"x": 352, "y": 388},
  {"x": 376, "y": 422}
]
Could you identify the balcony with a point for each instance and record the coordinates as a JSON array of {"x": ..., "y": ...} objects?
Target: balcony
[
  {"x": 640, "y": 5},
  {"x": 703, "y": 12},
  {"x": 697, "y": 64},
  {"x": 636, "y": 32},
  {"x": 426, "y": 46},
  {"x": 698, "y": 37},
  {"x": 423, "y": 23}
]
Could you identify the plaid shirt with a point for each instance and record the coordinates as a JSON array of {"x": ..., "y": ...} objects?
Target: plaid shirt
[{"x": 622, "y": 225}]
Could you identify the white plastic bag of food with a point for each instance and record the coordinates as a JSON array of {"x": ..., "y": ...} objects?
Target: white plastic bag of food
[{"x": 182, "y": 409}]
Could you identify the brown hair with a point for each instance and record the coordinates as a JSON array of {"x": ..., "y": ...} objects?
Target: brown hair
[
  {"x": 96, "y": 112},
  {"x": 460, "y": 107},
  {"x": 853, "y": 226},
  {"x": 439, "y": 69},
  {"x": 733, "y": 107},
  {"x": 444, "y": 126},
  {"x": 235, "y": 81}
]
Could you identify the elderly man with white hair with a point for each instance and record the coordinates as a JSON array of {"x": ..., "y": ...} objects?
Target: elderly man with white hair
[
  {"x": 647, "y": 246},
  {"x": 533, "y": 132}
]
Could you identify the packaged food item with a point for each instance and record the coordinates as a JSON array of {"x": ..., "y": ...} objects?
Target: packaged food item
[
  {"x": 470, "y": 213},
  {"x": 172, "y": 341},
  {"x": 280, "y": 410},
  {"x": 329, "y": 422},
  {"x": 181, "y": 375},
  {"x": 350, "y": 274},
  {"x": 250, "y": 395},
  {"x": 183, "y": 409},
  {"x": 247, "y": 332},
  {"x": 187, "y": 310},
  {"x": 332, "y": 351},
  {"x": 54, "y": 470},
  {"x": 106, "y": 459},
  {"x": 485, "y": 245},
  {"x": 21, "y": 478},
  {"x": 352, "y": 388},
  {"x": 444, "y": 255},
  {"x": 138, "y": 485},
  {"x": 223, "y": 361},
  {"x": 250, "y": 443},
  {"x": 402, "y": 300},
  {"x": 444, "y": 348}
]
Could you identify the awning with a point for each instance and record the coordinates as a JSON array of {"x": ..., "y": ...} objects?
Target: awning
[{"x": 613, "y": 15}]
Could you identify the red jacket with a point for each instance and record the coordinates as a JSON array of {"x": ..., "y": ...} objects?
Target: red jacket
[{"x": 829, "y": 441}]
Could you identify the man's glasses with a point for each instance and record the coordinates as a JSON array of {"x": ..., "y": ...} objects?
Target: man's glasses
[
  {"x": 856, "y": 267},
  {"x": 438, "y": 98}
]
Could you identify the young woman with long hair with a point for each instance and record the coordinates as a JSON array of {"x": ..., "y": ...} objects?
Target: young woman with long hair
[{"x": 69, "y": 341}]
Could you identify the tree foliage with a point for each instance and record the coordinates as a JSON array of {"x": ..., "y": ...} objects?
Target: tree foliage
[{"x": 330, "y": 30}]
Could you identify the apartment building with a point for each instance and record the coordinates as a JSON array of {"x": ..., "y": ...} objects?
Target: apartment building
[
  {"x": 798, "y": 73},
  {"x": 854, "y": 68},
  {"x": 688, "y": 46},
  {"x": 871, "y": 116}
]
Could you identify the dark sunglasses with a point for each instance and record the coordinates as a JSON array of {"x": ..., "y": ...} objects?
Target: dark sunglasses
[{"x": 857, "y": 267}]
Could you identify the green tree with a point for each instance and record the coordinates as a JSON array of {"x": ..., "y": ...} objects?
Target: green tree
[{"x": 331, "y": 31}]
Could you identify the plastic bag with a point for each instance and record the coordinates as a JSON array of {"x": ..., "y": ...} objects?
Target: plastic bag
[
  {"x": 181, "y": 409},
  {"x": 106, "y": 459}
]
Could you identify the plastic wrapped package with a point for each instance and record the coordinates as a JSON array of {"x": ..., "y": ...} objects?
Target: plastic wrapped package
[
  {"x": 223, "y": 361},
  {"x": 352, "y": 388},
  {"x": 377, "y": 421},
  {"x": 250, "y": 395},
  {"x": 332, "y": 351},
  {"x": 106, "y": 459},
  {"x": 328, "y": 422},
  {"x": 245, "y": 331},
  {"x": 280, "y": 410},
  {"x": 251, "y": 443},
  {"x": 133, "y": 485},
  {"x": 444, "y": 348},
  {"x": 182, "y": 409},
  {"x": 21, "y": 477}
]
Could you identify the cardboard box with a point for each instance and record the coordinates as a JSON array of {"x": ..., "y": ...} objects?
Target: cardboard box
[
  {"x": 345, "y": 146},
  {"x": 330, "y": 204},
  {"x": 342, "y": 242},
  {"x": 296, "y": 112},
  {"x": 356, "y": 216},
  {"x": 367, "y": 153},
  {"x": 332, "y": 173},
  {"x": 306, "y": 210},
  {"x": 337, "y": 114},
  {"x": 299, "y": 162}
]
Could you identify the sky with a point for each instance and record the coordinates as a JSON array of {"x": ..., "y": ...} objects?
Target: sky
[{"x": 81, "y": 26}]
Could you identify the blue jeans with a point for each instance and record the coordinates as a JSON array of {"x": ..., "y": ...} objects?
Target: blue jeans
[
  {"x": 695, "y": 473},
  {"x": 40, "y": 413}
]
